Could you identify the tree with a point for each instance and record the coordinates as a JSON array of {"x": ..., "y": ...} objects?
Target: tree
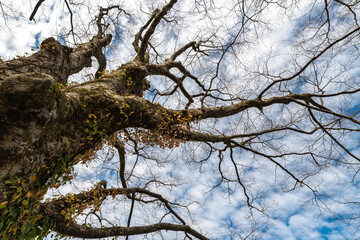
[{"x": 243, "y": 110}]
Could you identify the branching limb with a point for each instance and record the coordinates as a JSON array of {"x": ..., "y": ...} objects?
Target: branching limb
[
  {"x": 303, "y": 68},
  {"x": 323, "y": 109},
  {"x": 82, "y": 54},
  {"x": 349, "y": 7},
  {"x": 331, "y": 136},
  {"x": 81, "y": 231},
  {"x": 99, "y": 55},
  {"x": 167, "y": 120},
  {"x": 297, "y": 180},
  {"x": 151, "y": 29},
  {"x": 177, "y": 53},
  {"x": 138, "y": 36},
  {"x": 101, "y": 184},
  {"x": 104, "y": 12},
  {"x": 163, "y": 70},
  {"x": 64, "y": 226},
  {"x": 56, "y": 60},
  {"x": 239, "y": 180},
  {"x": 191, "y": 135}
]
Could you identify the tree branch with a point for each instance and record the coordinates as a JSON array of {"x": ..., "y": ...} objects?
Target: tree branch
[
  {"x": 64, "y": 226},
  {"x": 35, "y": 9},
  {"x": 81, "y": 231},
  {"x": 302, "y": 69},
  {"x": 151, "y": 29},
  {"x": 121, "y": 150},
  {"x": 55, "y": 59},
  {"x": 331, "y": 136}
]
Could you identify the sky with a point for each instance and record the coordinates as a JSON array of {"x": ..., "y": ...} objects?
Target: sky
[{"x": 274, "y": 41}]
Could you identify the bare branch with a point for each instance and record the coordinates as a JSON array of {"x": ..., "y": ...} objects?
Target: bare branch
[
  {"x": 121, "y": 150},
  {"x": 66, "y": 227},
  {"x": 35, "y": 9},
  {"x": 302, "y": 69},
  {"x": 138, "y": 36},
  {"x": 71, "y": 20},
  {"x": 131, "y": 211},
  {"x": 331, "y": 136},
  {"x": 151, "y": 29}
]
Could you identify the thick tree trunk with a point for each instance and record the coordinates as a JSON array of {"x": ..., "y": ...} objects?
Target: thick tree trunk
[
  {"x": 43, "y": 122},
  {"x": 44, "y": 125}
]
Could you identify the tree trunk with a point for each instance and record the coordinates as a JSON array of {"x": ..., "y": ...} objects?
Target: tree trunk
[{"x": 45, "y": 124}]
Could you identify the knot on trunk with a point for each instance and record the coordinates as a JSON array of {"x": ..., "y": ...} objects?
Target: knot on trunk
[
  {"x": 50, "y": 44},
  {"x": 136, "y": 73},
  {"x": 28, "y": 91}
]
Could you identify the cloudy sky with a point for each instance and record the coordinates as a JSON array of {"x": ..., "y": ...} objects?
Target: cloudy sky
[{"x": 248, "y": 44}]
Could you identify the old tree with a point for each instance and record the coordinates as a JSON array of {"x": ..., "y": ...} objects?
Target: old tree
[{"x": 251, "y": 98}]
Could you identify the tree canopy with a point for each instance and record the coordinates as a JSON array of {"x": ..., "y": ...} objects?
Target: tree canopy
[{"x": 182, "y": 119}]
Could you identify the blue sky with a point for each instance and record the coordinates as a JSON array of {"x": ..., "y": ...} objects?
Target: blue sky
[{"x": 189, "y": 173}]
